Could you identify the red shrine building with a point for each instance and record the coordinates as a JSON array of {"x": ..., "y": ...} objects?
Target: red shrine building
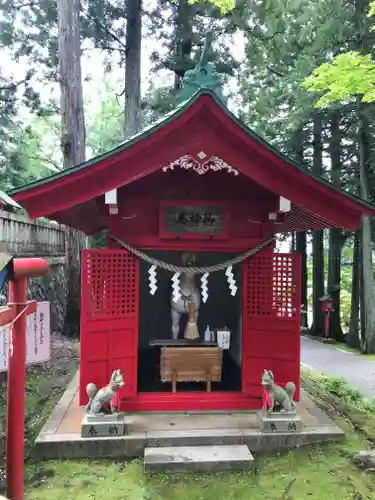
[{"x": 198, "y": 181}]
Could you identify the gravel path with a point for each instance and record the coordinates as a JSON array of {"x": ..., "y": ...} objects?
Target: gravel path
[{"x": 356, "y": 369}]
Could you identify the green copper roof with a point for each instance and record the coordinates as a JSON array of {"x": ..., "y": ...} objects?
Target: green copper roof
[{"x": 179, "y": 110}]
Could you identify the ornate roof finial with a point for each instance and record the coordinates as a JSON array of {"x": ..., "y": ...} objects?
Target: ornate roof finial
[
  {"x": 203, "y": 76},
  {"x": 203, "y": 61}
]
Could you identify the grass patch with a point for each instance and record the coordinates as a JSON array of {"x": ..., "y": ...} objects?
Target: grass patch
[
  {"x": 335, "y": 395},
  {"x": 318, "y": 472},
  {"x": 38, "y": 406}
]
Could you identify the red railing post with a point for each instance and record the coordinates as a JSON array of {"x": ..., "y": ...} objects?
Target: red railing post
[
  {"x": 16, "y": 392},
  {"x": 15, "y": 448}
]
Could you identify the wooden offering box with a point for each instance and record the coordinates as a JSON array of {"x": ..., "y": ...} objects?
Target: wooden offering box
[{"x": 190, "y": 364}]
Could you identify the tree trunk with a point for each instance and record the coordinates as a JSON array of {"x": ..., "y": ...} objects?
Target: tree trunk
[
  {"x": 335, "y": 235},
  {"x": 184, "y": 43},
  {"x": 361, "y": 299},
  {"x": 133, "y": 122},
  {"x": 72, "y": 140},
  {"x": 368, "y": 336},
  {"x": 300, "y": 237},
  {"x": 317, "y": 327},
  {"x": 353, "y": 335},
  {"x": 301, "y": 249}
]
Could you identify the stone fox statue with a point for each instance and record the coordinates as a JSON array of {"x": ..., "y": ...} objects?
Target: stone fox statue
[
  {"x": 99, "y": 398},
  {"x": 284, "y": 397}
]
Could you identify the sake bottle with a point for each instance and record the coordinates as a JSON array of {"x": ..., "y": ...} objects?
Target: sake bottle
[{"x": 207, "y": 334}]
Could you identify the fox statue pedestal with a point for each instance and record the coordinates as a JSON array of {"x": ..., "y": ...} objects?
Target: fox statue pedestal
[
  {"x": 102, "y": 425},
  {"x": 97, "y": 422},
  {"x": 279, "y": 422},
  {"x": 285, "y": 420}
]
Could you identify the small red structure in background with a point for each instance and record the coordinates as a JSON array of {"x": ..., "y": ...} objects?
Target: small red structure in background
[
  {"x": 328, "y": 309},
  {"x": 17, "y": 270}
]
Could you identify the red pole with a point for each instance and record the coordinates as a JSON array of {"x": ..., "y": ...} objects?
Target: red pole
[{"x": 16, "y": 393}]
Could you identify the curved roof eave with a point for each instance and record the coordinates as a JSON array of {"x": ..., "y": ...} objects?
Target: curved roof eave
[
  {"x": 145, "y": 132},
  {"x": 170, "y": 117}
]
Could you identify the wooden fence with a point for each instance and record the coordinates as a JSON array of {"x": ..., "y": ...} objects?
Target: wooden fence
[{"x": 19, "y": 236}]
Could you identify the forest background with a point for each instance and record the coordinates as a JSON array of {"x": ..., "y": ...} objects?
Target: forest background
[{"x": 130, "y": 58}]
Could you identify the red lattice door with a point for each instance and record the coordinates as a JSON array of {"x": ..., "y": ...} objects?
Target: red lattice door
[
  {"x": 271, "y": 321},
  {"x": 109, "y": 319}
]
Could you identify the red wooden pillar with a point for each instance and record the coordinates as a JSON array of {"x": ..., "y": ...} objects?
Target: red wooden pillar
[
  {"x": 22, "y": 268},
  {"x": 16, "y": 392}
]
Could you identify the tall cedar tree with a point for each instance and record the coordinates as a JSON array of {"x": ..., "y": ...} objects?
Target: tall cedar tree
[
  {"x": 353, "y": 334},
  {"x": 368, "y": 302},
  {"x": 133, "y": 67},
  {"x": 301, "y": 235},
  {"x": 336, "y": 239},
  {"x": 72, "y": 139},
  {"x": 317, "y": 327},
  {"x": 364, "y": 141}
]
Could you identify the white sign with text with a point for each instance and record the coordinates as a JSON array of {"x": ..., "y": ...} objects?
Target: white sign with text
[{"x": 38, "y": 337}]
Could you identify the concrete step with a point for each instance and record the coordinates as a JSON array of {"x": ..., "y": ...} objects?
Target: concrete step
[{"x": 198, "y": 458}]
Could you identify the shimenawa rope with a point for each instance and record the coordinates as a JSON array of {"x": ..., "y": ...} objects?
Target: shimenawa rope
[{"x": 192, "y": 270}]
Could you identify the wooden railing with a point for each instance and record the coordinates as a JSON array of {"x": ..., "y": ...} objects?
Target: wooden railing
[{"x": 20, "y": 236}]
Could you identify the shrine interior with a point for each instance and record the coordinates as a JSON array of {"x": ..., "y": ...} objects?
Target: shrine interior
[{"x": 221, "y": 310}]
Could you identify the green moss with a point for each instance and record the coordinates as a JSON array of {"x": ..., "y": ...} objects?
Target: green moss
[
  {"x": 39, "y": 403},
  {"x": 334, "y": 392},
  {"x": 319, "y": 473},
  {"x": 316, "y": 473}
]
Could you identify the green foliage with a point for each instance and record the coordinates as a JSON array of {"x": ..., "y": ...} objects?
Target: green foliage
[
  {"x": 104, "y": 113},
  {"x": 33, "y": 154},
  {"x": 333, "y": 392},
  {"x": 345, "y": 76},
  {"x": 224, "y": 6},
  {"x": 339, "y": 387},
  {"x": 284, "y": 42}
]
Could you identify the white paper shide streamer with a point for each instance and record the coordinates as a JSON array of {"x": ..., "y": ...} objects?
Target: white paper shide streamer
[
  {"x": 176, "y": 294},
  {"x": 204, "y": 287},
  {"x": 152, "y": 280},
  {"x": 231, "y": 281}
]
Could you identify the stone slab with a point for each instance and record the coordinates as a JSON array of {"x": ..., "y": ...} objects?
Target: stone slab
[
  {"x": 280, "y": 422},
  {"x": 103, "y": 425},
  {"x": 198, "y": 458}
]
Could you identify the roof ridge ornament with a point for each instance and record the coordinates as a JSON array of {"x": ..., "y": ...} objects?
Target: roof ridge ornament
[
  {"x": 214, "y": 164},
  {"x": 203, "y": 76}
]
